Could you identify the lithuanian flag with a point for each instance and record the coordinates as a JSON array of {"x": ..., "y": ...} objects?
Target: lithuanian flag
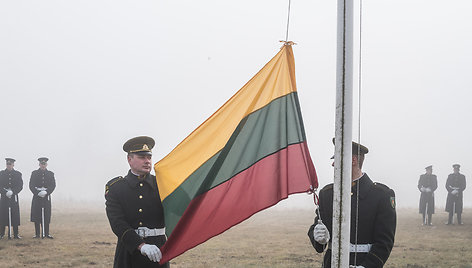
[{"x": 250, "y": 154}]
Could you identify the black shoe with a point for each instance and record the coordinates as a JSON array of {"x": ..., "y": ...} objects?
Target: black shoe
[
  {"x": 1, "y": 237},
  {"x": 49, "y": 236},
  {"x": 36, "y": 236},
  {"x": 17, "y": 237}
]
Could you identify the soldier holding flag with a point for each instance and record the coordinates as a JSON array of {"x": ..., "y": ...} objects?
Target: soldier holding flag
[
  {"x": 42, "y": 184},
  {"x": 11, "y": 184}
]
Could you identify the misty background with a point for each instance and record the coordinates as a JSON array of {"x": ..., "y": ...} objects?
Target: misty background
[{"x": 79, "y": 78}]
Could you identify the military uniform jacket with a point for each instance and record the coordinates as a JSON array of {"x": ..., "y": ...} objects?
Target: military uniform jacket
[
  {"x": 133, "y": 202},
  {"x": 377, "y": 221},
  {"x": 41, "y": 179},
  {"x": 427, "y": 199},
  {"x": 454, "y": 202},
  {"x": 10, "y": 180}
]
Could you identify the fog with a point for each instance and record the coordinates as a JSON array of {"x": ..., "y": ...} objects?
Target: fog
[{"x": 79, "y": 78}]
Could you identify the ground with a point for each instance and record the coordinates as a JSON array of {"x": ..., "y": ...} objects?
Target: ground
[{"x": 271, "y": 238}]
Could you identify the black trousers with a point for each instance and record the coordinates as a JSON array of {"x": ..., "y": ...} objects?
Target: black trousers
[
  {"x": 37, "y": 228},
  {"x": 15, "y": 230}
]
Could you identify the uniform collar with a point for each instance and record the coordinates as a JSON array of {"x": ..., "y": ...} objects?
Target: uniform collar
[
  {"x": 134, "y": 180},
  {"x": 365, "y": 184}
]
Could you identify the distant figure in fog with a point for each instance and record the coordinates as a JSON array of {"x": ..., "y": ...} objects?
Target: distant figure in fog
[
  {"x": 135, "y": 211},
  {"x": 11, "y": 184},
  {"x": 42, "y": 184},
  {"x": 455, "y": 185},
  {"x": 427, "y": 184}
]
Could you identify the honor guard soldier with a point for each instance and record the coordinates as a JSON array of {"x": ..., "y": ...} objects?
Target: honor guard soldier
[
  {"x": 427, "y": 184},
  {"x": 11, "y": 184},
  {"x": 455, "y": 185},
  {"x": 134, "y": 210},
  {"x": 42, "y": 184},
  {"x": 375, "y": 213}
]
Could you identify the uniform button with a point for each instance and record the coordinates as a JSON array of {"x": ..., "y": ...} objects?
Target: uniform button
[
  {"x": 140, "y": 197},
  {"x": 140, "y": 224},
  {"x": 140, "y": 210},
  {"x": 351, "y": 194},
  {"x": 141, "y": 184}
]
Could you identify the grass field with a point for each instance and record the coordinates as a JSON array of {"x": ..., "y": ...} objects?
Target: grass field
[{"x": 272, "y": 238}]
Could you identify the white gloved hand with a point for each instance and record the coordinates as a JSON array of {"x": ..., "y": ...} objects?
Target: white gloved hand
[
  {"x": 356, "y": 266},
  {"x": 428, "y": 190},
  {"x": 42, "y": 193},
  {"x": 152, "y": 252},
  {"x": 422, "y": 189},
  {"x": 454, "y": 192},
  {"x": 9, "y": 193},
  {"x": 321, "y": 233}
]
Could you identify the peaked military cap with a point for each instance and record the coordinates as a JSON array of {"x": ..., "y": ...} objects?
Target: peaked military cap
[
  {"x": 356, "y": 148},
  {"x": 456, "y": 166},
  {"x": 10, "y": 160},
  {"x": 429, "y": 167},
  {"x": 139, "y": 145},
  {"x": 43, "y": 160}
]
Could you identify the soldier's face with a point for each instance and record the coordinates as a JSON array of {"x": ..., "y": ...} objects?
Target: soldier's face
[
  {"x": 10, "y": 166},
  {"x": 43, "y": 166},
  {"x": 140, "y": 164}
]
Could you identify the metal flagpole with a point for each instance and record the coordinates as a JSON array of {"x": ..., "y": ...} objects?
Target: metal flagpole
[{"x": 343, "y": 139}]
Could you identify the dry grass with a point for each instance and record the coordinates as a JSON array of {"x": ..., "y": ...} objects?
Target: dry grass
[{"x": 272, "y": 238}]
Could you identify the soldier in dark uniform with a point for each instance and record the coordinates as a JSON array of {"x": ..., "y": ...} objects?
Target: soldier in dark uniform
[
  {"x": 455, "y": 185},
  {"x": 376, "y": 218},
  {"x": 427, "y": 184},
  {"x": 135, "y": 211},
  {"x": 42, "y": 184},
  {"x": 11, "y": 184}
]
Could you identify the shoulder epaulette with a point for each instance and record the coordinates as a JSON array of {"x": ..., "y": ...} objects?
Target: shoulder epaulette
[
  {"x": 328, "y": 187},
  {"x": 389, "y": 192},
  {"x": 111, "y": 182},
  {"x": 384, "y": 187}
]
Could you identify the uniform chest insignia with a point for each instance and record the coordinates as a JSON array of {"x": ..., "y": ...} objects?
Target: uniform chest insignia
[{"x": 392, "y": 201}]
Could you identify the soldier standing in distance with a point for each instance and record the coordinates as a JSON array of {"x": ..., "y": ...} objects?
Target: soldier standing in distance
[
  {"x": 11, "y": 184},
  {"x": 42, "y": 184},
  {"x": 135, "y": 211},
  {"x": 455, "y": 185},
  {"x": 427, "y": 184},
  {"x": 376, "y": 218}
]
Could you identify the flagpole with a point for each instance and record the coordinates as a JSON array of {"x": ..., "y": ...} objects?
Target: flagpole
[{"x": 343, "y": 138}]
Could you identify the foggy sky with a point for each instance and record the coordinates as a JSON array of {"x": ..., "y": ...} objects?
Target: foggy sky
[{"x": 79, "y": 78}]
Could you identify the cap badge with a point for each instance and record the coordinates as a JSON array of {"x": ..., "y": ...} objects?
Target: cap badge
[{"x": 145, "y": 147}]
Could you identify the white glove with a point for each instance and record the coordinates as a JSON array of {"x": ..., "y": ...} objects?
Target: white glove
[
  {"x": 9, "y": 193},
  {"x": 152, "y": 252},
  {"x": 356, "y": 266},
  {"x": 422, "y": 189},
  {"x": 321, "y": 233},
  {"x": 428, "y": 190},
  {"x": 454, "y": 192},
  {"x": 42, "y": 193}
]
